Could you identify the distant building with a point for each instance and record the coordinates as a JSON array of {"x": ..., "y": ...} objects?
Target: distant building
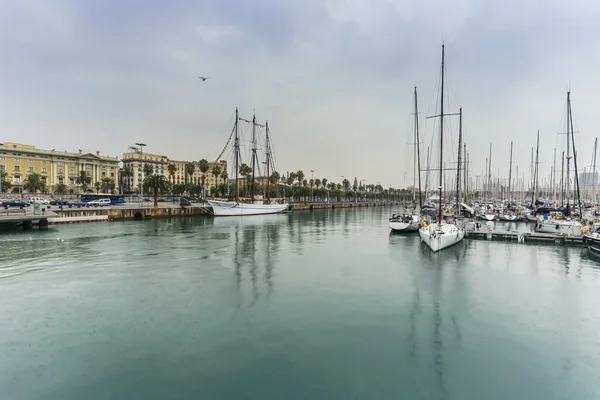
[
  {"x": 209, "y": 179},
  {"x": 20, "y": 160},
  {"x": 588, "y": 179},
  {"x": 136, "y": 160}
]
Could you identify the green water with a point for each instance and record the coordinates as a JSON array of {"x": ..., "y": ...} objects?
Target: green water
[{"x": 321, "y": 305}]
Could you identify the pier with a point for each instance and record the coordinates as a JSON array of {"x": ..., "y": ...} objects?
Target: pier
[{"x": 525, "y": 237}]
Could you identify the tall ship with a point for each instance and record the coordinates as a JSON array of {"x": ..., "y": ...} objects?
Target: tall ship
[{"x": 255, "y": 204}]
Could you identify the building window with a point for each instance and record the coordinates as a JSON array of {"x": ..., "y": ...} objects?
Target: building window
[
  {"x": 60, "y": 179},
  {"x": 44, "y": 170},
  {"x": 71, "y": 171},
  {"x": 60, "y": 163},
  {"x": 2, "y": 158},
  {"x": 30, "y": 169},
  {"x": 16, "y": 179},
  {"x": 17, "y": 159},
  {"x": 44, "y": 179},
  {"x": 72, "y": 181},
  {"x": 112, "y": 174},
  {"x": 17, "y": 168},
  {"x": 30, "y": 160},
  {"x": 103, "y": 173},
  {"x": 43, "y": 162},
  {"x": 61, "y": 171}
]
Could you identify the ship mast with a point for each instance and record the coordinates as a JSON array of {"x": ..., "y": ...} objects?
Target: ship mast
[
  {"x": 510, "y": 172},
  {"x": 268, "y": 157},
  {"x": 418, "y": 151},
  {"x": 459, "y": 167},
  {"x": 570, "y": 117},
  {"x": 236, "y": 145},
  {"x": 441, "y": 181}
]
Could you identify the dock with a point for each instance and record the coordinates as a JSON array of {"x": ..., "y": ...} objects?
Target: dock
[{"x": 525, "y": 237}]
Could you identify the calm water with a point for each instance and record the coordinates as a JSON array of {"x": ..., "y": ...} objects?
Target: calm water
[{"x": 321, "y": 305}]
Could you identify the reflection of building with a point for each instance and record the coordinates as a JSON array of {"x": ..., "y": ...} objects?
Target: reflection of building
[
  {"x": 136, "y": 160},
  {"x": 588, "y": 179},
  {"x": 20, "y": 160}
]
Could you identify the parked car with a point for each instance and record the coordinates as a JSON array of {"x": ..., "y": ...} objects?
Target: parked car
[
  {"x": 15, "y": 203},
  {"x": 98, "y": 203},
  {"x": 56, "y": 202},
  {"x": 39, "y": 200}
]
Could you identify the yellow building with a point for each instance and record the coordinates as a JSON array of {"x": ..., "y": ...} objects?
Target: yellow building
[
  {"x": 20, "y": 160},
  {"x": 209, "y": 179},
  {"x": 136, "y": 161}
]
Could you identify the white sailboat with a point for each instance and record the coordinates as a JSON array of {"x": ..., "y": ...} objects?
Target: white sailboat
[
  {"x": 411, "y": 221},
  {"x": 440, "y": 235},
  {"x": 254, "y": 207}
]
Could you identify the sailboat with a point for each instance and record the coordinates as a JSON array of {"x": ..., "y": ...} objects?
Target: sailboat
[
  {"x": 563, "y": 223},
  {"x": 440, "y": 235},
  {"x": 254, "y": 207},
  {"x": 509, "y": 214},
  {"x": 411, "y": 221}
]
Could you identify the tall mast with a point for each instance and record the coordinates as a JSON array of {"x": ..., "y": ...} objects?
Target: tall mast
[
  {"x": 490, "y": 174},
  {"x": 237, "y": 157},
  {"x": 594, "y": 171},
  {"x": 510, "y": 172},
  {"x": 427, "y": 173},
  {"x": 570, "y": 112},
  {"x": 418, "y": 146},
  {"x": 568, "y": 184},
  {"x": 459, "y": 167},
  {"x": 466, "y": 171},
  {"x": 253, "y": 154},
  {"x": 562, "y": 180},
  {"x": 268, "y": 157},
  {"x": 554, "y": 177},
  {"x": 535, "y": 174},
  {"x": 441, "y": 141}
]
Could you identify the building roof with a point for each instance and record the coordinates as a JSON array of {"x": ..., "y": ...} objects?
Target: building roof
[{"x": 26, "y": 148}]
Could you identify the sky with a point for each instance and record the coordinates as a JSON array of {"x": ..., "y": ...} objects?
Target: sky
[{"x": 334, "y": 78}]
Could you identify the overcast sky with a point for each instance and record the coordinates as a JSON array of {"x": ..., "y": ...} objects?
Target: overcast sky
[{"x": 334, "y": 78}]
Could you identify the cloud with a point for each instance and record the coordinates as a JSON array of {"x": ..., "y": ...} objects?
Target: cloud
[{"x": 334, "y": 78}]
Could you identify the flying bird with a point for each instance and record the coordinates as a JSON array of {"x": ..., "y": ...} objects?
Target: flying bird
[{"x": 203, "y": 78}]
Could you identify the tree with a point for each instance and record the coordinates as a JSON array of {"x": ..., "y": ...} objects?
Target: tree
[
  {"x": 108, "y": 185},
  {"x": 33, "y": 183},
  {"x": 178, "y": 189},
  {"x": 172, "y": 168},
  {"x": 245, "y": 170},
  {"x": 98, "y": 186},
  {"x": 324, "y": 182},
  {"x": 156, "y": 184},
  {"x": 189, "y": 170},
  {"x": 148, "y": 170},
  {"x": 60, "y": 188},
  {"x": 224, "y": 176},
  {"x": 355, "y": 185},
  {"x": 317, "y": 183},
  {"x": 291, "y": 178},
  {"x": 300, "y": 176},
  {"x": 216, "y": 171},
  {"x": 127, "y": 173},
  {"x": 6, "y": 185},
  {"x": 274, "y": 178},
  {"x": 83, "y": 180},
  {"x": 204, "y": 167}
]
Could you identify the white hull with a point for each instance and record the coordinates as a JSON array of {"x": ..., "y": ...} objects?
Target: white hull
[
  {"x": 440, "y": 237},
  {"x": 593, "y": 241},
  {"x": 405, "y": 226},
  {"x": 488, "y": 217},
  {"x": 508, "y": 217},
  {"x": 232, "y": 208},
  {"x": 569, "y": 228}
]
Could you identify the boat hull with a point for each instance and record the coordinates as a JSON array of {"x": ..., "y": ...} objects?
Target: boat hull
[
  {"x": 487, "y": 217},
  {"x": 232, "y": 208},
  {"x": 405, "y": 226},
  {"x": 505, "y": 217},
  {"x": 569, "y": 228},
  {"x": 438, "y": 237},
  {"x": 593, "y": 242}
]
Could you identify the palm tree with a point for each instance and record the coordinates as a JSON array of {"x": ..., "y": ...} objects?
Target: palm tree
[
  {"x": 33, "y": 183},
  {"x": 156, "y": 184},
  {"x": 127, "y": 173},
  {"x": 148, "y": 170},
  {"x": 60, "y": 188},
  {"x": 83, "y": 180},
  {"x": 6, "y": 185},
  {"x": 216, "y": 171},
  {"x": 172, "y": 168},
  {"x": 204, "y": 167},
  {"x": 108, "y": 185},
  {"x": 224, "y": 176},
  {"x": 300, "y": 176},
  {"x": 189, "y": 170},
  {"x": 324, "y": 182},
  {"x": 98, "y": 186},
  {"x": 317, "y": 183}
]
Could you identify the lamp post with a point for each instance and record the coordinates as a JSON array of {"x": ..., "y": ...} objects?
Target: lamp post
[
  {"x": 141, "y": 147},
  {"x": 343, "y": 187},
  {"x": 312, "y": 176}
]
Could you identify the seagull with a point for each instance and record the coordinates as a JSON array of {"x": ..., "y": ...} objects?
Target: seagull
[{"x": 203, "y": 78}]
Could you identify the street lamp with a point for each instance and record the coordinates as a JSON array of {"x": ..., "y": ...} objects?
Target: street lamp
[
  {"x": 343, "y": 187},
  {"x": 141, "y": 147},
  {"x": 312, "y": 176}
]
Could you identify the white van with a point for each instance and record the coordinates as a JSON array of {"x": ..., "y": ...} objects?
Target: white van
[
  {"x": 98, "y": 203},
  {"x": 38, "y": 200}
]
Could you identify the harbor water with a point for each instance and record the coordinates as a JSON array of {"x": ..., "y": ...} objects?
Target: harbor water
[{"x": 313, "y": 305}]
